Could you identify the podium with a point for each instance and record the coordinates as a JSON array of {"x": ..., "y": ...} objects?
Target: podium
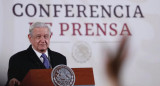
[{"x": 42, "y": 77}]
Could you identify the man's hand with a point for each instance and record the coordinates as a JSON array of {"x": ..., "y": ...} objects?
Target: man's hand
[{"x": 14, "y": 82}]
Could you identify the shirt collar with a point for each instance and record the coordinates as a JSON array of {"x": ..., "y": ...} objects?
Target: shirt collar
[{"x": 39, "y": 54}]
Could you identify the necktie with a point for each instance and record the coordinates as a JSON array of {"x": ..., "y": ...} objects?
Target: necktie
[{"x": 45, "y": 61}]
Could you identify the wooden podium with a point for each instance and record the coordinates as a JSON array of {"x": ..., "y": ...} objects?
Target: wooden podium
[{"x": 42, "y": 77}]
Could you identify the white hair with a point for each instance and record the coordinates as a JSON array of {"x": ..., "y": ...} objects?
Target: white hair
[{"x": 38, "y": 25}]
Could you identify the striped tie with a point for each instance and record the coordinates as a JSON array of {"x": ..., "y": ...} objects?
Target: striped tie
[{"x": 45, "y": 61}]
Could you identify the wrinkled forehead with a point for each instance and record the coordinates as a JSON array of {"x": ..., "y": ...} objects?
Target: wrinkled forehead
[{"x": 41, "y": 31}]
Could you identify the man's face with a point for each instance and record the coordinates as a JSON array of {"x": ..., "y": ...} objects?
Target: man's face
[{"x": 40, "y": 39}]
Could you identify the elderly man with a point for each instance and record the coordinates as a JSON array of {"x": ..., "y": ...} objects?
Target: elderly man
[{"x": 37, "y": 56}]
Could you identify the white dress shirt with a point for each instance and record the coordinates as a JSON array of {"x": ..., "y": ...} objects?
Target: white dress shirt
[{"x": 39, "y": 54}]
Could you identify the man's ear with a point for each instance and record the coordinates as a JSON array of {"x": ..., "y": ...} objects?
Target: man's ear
[
  {"x": 51, "y": 34},
  {"x": 29, "y": 37}
]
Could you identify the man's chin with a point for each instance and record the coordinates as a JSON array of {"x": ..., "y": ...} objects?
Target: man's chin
[{"x": 43, "y": 50}]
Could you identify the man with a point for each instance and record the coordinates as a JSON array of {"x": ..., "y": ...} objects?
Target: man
[{"x": 37, "y": 56}]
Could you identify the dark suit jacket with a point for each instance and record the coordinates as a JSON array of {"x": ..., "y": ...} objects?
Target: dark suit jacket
[{"x": 22, "y": 62}]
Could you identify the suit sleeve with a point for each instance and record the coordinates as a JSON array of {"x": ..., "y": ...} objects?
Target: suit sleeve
[{"x": 12, "y": 69}]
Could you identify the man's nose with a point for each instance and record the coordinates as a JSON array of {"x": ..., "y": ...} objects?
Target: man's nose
[{"x": 42, "y": 39}]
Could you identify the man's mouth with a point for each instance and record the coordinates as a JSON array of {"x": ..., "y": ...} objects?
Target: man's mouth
[{"x": 42, "y": 44}]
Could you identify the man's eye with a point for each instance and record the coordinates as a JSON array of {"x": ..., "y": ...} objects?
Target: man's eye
[
  {"x": 46, "y": 36},
  {"x": 38, "y": 37}
]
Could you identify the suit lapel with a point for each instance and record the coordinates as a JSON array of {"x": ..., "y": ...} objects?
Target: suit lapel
[
  {"x": 52, "y": 58},
  {"x": 35, "y": 58}
]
